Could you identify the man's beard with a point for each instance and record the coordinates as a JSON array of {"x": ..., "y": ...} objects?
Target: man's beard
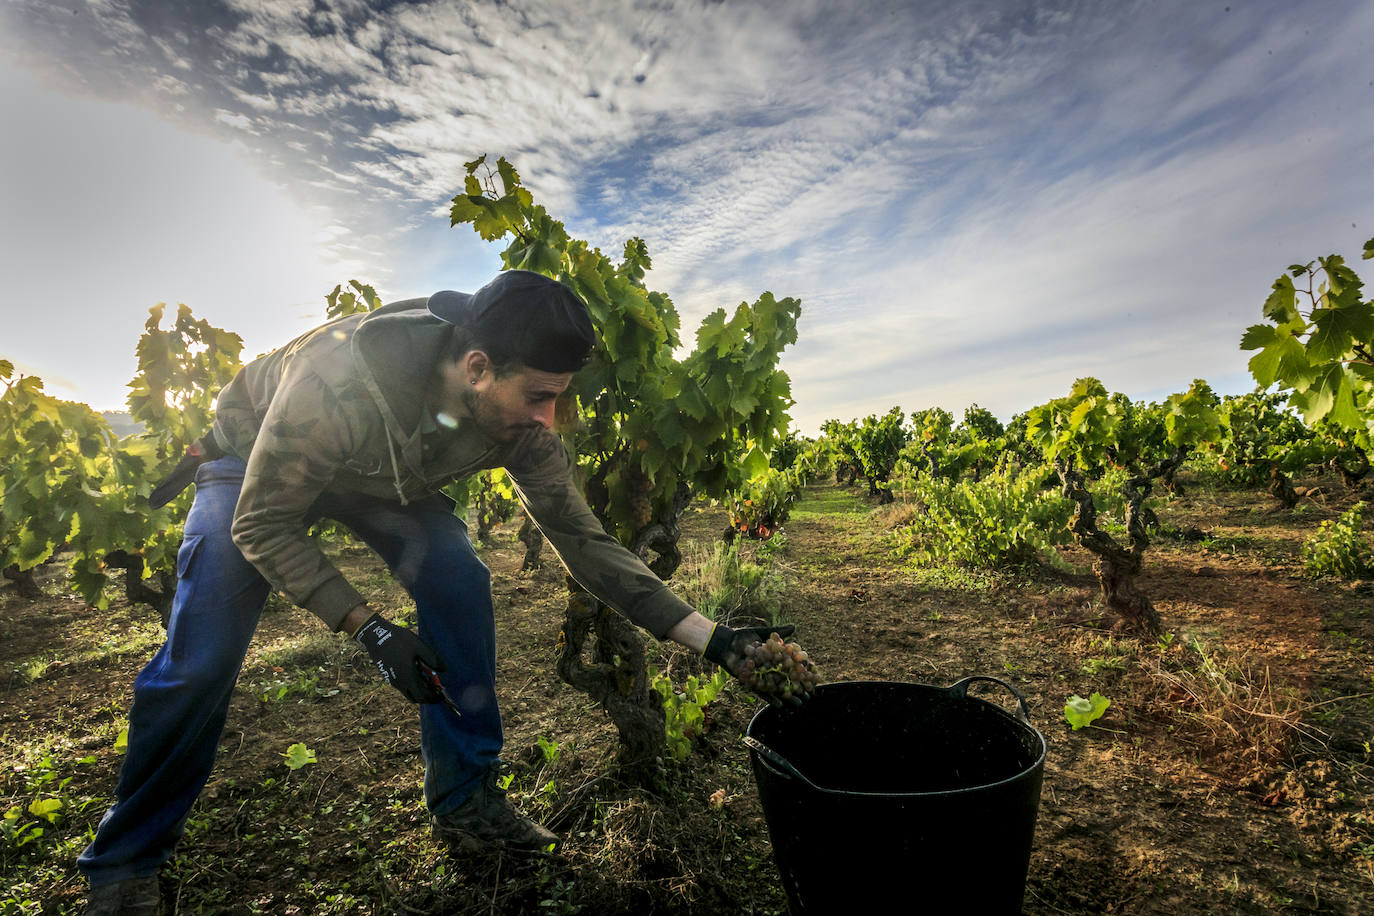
[{"x": 488, "y": 418}]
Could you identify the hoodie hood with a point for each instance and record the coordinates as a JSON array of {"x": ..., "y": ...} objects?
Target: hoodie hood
[{"x": 396, "y": 350}]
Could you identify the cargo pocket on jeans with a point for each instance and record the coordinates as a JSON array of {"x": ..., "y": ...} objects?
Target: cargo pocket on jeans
[
  {"x": 177, "y": 647},
  {"x": 190, "y": 545}
]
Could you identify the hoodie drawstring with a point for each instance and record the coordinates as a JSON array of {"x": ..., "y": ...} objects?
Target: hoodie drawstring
[{"x": 395, "y": 469}]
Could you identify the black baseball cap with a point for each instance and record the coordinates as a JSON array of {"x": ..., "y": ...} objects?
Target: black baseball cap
[{"x": 523, "y": 316}]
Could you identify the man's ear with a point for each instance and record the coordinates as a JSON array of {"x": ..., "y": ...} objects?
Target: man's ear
[{"x": 475, "y": 364}]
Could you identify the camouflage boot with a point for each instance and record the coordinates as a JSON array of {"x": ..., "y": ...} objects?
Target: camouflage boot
[{"x": 488, "y": 819}]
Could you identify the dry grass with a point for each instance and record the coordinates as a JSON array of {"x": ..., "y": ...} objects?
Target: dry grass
[
  {"x": 894, "y": 515},
  {"x": 1226, "y": 704}
]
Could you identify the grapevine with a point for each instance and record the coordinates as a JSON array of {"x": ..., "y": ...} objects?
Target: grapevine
[
  {"x": 1089, "y": 431},
  {"x": 68, "y": 483},
  {"x": 650, "y": 429}
]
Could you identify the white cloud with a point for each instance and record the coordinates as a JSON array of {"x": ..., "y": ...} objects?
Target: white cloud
[
  {"x": 241, "y": 122},
  {"x": 1145, "y": 278},
  {"x": 257, "y": 102}
]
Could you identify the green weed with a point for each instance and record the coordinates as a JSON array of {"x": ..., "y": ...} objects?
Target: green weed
[
  {"x": 1339, "y": 549},
  {"x": 31, "y": 669},
  {"x": 727, "y": 585},
  {"x": 685, "y": 709},
  {"x": 28, "y": 825},
  {"x": 304, "y": 684},
  {"x": 549, "y": 749}
]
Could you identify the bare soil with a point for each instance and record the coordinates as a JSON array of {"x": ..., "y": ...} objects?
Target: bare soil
[{"x": 1231, "y": 774}]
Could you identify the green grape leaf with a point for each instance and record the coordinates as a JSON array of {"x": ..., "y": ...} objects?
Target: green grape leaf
[
  {"x": 510, "y": 179},
  {"x": 755, "y": 463},
  {"x": 479, "y": 211},
  {"x": 49, "y": 809},
  {"x": 743, "y": 402},
  {"x": 1258, "y": 336},
  {"x": 1283, "y": 358},
  {"x": 1331, "y": 396},
  {"x": 1080, "y": 712},
  {"x": 533, "y": 252},
  {"x": 1338, "y": 329},
  {"x": 33, "y": 548},
  {"x": 1281, "y": 306},
  {"x": 298, "y": 755},
  {"x": 587, "y": 275}
]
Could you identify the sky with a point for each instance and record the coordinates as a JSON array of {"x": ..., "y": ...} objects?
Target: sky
[{"x": 976, "y": 202}]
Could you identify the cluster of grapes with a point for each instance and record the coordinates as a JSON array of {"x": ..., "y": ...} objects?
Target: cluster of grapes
[
  {"x": 777, "y": 669},
  {"x": 639, "y": 486}
]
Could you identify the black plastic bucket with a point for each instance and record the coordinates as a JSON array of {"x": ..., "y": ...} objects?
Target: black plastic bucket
[{"x": 909, "y": 796}]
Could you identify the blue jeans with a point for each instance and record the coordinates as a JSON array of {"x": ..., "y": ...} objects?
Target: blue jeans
[{"x": 182, "y": 696}]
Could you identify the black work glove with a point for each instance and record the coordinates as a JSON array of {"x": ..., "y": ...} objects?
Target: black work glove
[
  {"x": 727, "y": 648},
  {"x": 402, "y": 659}
]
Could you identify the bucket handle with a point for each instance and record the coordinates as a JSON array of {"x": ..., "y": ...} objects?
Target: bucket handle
[
  {"x": 777, "y": 761},
  {"x": 960, "y": 689}
]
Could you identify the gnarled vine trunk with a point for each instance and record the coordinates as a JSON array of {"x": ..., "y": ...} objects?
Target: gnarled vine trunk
[
  {"x": 534, "y": 545},
  {"x": 661, "y": 536},
  {"x": 616, "y": 677},
  {"x": 1116, "y": 567},
  {"x": 1352, "y": 470},
  {"x": 24, "y": 582},
  {"x": 137, "y": 589},
  {"x": 488, "y": 515},
  {"x": 878, "y": 488},
  {"x": 617, "y": 674},
  {"x": 1281, "y": 488}
]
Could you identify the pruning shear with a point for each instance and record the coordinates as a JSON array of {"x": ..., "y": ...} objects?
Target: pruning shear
[{"x": 432, "y": 676}]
